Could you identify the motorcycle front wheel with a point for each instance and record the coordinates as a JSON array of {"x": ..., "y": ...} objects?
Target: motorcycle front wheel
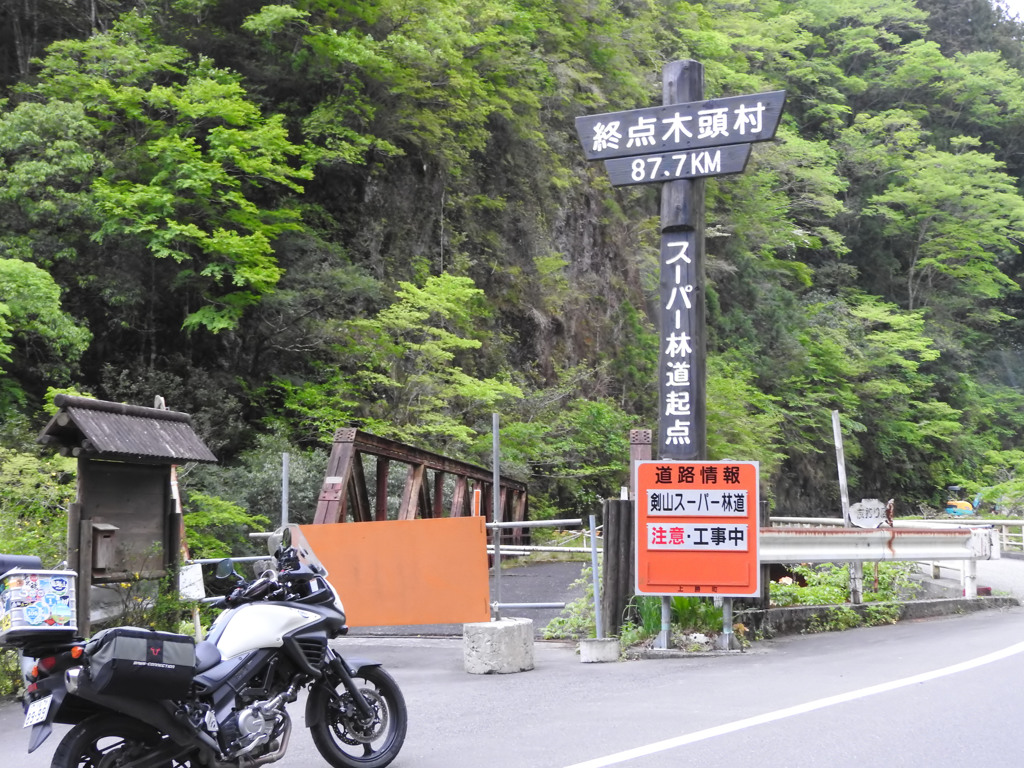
[
  {"x": 346, "y": 739},
  {"x": 108, "y": 741}
]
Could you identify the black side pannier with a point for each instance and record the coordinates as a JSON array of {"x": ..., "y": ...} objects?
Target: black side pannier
[{"x": 142, "y": 663}]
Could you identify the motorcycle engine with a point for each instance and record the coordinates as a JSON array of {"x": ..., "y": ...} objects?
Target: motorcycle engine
[{"x": 250, "y": 728}]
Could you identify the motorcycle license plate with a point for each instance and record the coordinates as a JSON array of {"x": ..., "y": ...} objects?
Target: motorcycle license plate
[{"x": 37, "y": 711}]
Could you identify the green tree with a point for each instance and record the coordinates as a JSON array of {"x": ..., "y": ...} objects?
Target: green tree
[
  {"x": 188, "y": 163},
  {"x": 38, "y": 340},
  {"x": 412, "y": 372},
  {"x": 952, "y": 217},
  {"x": 34, "y": 496}
]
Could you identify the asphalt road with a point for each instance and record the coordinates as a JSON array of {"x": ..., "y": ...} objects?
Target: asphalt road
[{"x": 934, "y": 693}]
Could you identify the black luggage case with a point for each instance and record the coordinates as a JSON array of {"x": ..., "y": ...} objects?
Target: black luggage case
[{"x": 142, "y": 663}]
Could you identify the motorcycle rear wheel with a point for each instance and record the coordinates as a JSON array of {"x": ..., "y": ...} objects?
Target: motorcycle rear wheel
[
  {"x": 342, "y": 739},
  {"x": 108, "y": 741}
]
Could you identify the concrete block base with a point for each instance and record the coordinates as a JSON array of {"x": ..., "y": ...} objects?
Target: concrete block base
[
  {"x": 498, "y": 647},
  {"x": 727, "y": 642},
  {"x": 594, "y": 650}
]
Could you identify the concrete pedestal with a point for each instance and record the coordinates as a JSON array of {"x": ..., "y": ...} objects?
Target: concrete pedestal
[
  {"x": 498, "y": 647},
  {"x": 594, "y": 650}
]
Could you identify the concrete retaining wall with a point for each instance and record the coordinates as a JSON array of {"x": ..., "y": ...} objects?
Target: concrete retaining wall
[{"x": 797, "y": 619}]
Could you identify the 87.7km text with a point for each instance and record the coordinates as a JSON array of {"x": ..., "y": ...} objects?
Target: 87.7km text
[{"x": 624, "y": 171}]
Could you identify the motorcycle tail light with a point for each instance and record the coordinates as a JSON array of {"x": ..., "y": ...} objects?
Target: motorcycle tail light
[{"x": 48, "y": 665}]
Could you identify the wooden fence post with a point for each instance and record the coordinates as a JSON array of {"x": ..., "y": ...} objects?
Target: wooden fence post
[{"x": 619, "y": 558}]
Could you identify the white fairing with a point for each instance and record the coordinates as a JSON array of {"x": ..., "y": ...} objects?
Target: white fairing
[{"x": 259, "y": 625}]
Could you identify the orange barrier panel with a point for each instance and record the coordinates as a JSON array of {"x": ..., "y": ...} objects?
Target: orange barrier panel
[{"x": 399, "y": 572}]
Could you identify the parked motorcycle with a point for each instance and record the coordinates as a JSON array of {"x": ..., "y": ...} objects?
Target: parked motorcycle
[{"x": 143, "y": 699}]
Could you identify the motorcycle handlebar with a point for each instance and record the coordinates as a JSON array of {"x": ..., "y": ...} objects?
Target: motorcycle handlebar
[{"x": 271, "y": 585}]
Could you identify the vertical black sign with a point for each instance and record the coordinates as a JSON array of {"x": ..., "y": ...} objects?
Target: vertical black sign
[{"x": 681, "y": 423}]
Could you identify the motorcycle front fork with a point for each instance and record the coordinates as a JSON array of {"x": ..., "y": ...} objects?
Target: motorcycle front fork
[{"x": 340, "y": 668}]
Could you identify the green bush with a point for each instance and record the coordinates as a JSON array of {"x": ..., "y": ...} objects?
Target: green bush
[
  {"x": 828, "y": 584},
  {"x": 577, "y": 619}
]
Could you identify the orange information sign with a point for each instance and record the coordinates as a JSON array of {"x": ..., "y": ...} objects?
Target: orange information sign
[{"x": 697, "y": 528}]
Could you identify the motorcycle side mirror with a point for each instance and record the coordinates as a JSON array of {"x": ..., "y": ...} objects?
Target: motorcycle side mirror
[
  {"x": 225, "y": 570},
  {"x": 279, "y": 540}
]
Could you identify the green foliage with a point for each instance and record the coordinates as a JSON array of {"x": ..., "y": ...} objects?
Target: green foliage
[
  {"x": 689, "y": 614},
  {"x": 36, "y": 335},
  {"x": 924, "y": 211},
  {"x": 254, "y": 482},
  {"x": 218, "y": 528},
  {"x": 186, "y": 158},
  {"x": 835, "y": 619},
  {"x": 320, "y": 214},
  {"x": 827, "y": 585},
  {"x": 743, "y": 422},
  {"x": 412, "y": 377},
  {"x": 690, "y": 617},
  {"x": 648, "y": 611},
  {"x": 34, "y": 496},
  {"x": 696, "y": 614},
  {"x": 11, "y": 679},
  {"x": 577, "y": 619}
]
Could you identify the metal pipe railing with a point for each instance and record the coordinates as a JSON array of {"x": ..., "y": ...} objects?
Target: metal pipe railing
[{"x": 514, "y": 550}]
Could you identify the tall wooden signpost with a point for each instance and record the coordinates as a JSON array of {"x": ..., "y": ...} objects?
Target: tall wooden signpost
[{"x": 679, "y": 144}]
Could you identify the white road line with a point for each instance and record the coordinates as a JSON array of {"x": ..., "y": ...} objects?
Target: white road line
[{"x": 799, "y": 709}]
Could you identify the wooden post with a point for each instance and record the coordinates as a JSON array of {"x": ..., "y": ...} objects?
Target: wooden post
[
  {"x": 381, "y": 501},
  {"x": 639, "y": 450},
  {"x": 682, "y": 421},
  {"x": 610, "y": 574},
  {"x": 617, "y": 579}
]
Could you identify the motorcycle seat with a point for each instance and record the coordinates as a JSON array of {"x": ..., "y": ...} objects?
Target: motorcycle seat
[{"x": 207, "y": 656}]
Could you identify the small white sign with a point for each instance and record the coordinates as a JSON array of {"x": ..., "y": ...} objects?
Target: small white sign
[
  {"x": 869, "y": 513},
  {"x": 190, "y": 582}
]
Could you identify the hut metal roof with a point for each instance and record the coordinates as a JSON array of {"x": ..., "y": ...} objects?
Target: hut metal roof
[{"x": 98, "y": 429}]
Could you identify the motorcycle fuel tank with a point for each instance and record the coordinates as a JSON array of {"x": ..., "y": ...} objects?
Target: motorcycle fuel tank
[{"x": 257, "y": 625}]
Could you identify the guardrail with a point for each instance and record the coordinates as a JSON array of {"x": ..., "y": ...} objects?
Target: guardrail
[
  {"x": 927, "y": 541},
  {"x": 1011, "y": 532},
  {"x": 828, "y": 545}
]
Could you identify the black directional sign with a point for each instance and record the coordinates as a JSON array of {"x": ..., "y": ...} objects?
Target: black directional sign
[
  {"x": 715, "y": 161},
  {"x": 692, "y": 125}
]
